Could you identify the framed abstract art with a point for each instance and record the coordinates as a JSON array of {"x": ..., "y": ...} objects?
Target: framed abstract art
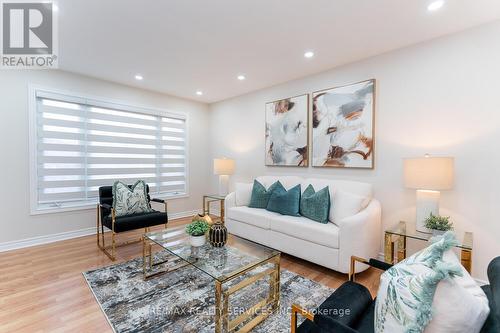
[
  {"x": 287, "y": 136},
  {"x": 343, "y": 126}
]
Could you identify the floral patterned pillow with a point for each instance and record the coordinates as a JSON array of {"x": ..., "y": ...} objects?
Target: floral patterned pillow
[
  {"x": 406, "y": 291},
  {"x": 133, "y": 200}
]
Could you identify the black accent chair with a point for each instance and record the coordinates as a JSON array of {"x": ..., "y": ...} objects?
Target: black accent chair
[
  {"x": 106, "y": 217},
  {"x": 353, "y": 296}
]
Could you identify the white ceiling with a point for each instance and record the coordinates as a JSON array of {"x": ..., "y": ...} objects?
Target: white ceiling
[{"x": 181, "y": 46}]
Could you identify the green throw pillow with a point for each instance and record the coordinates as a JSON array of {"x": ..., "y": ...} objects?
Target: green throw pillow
[
  {"x": 315, "y": 205},
  {"x": 260, "y": 196},
  {"x": 285, "y": 202},
  {"x": 133, "y": 200}
]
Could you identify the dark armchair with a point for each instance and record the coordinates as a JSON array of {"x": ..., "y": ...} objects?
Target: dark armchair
[
  {"x": 331, "y": 316},
  {"x": 106, "y": 218}
]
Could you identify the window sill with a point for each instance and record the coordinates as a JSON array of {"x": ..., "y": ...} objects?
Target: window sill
[{"x": 92, "y": 206}]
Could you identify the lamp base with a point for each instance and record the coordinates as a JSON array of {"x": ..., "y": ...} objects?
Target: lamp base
[
  {"x": 223, "y": 185},
  {"x": 427, "y": 203}
]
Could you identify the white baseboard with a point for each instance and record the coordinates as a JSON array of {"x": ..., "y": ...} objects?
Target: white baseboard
[{"x": 46, "y": 239}]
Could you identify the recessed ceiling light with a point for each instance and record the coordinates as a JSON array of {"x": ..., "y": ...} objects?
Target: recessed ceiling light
[
  {"x": 199, "y": 93},
  {"x": 241, "y": 77},
  {"x": 309, "y": 54},
  {"x": 138, "y": 77},
  {"x": 55, "y": 8},
  {"x": 435, "y": 5}
]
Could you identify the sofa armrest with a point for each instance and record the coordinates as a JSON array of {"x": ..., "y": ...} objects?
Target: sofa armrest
[
  {"x": 360, "y": 235},
  {"x": 230, "y": 201}
]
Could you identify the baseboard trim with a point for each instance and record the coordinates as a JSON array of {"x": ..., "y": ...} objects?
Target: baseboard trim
[{"x": 46, "y": 239}]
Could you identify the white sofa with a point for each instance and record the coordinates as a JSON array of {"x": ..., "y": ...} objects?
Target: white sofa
[{"x": 354, "y": 227}]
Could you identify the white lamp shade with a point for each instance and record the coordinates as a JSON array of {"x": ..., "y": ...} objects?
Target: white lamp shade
[
  {"x": 223, "y": 166},
  {"x": 429, "y": 173}
]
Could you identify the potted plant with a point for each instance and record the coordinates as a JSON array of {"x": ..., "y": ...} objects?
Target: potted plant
[
  {"x": 438, "y": 224},
  {"x": 197, "y": 230}
]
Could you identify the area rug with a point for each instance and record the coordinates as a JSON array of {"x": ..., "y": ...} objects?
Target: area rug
[{"x": 183, "y": 300}]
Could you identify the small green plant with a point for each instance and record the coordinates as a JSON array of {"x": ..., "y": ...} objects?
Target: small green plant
[
  {"x": 441, "y": 223},
  {"x": 197, "y": 228}
]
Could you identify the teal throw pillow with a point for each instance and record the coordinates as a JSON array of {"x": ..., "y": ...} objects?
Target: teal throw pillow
[
  {"x": 315, "y": 205},
  {"x": 260, "y": 196},
  {"x": 285, "y": 202}
]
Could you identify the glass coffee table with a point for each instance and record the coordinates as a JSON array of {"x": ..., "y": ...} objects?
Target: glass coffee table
[
  {"x": 237, "y": 265},
  {"x": 395, "y": 239}
]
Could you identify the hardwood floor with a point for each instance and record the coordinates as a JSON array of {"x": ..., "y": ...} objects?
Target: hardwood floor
[{"x": 42, "y": 288}]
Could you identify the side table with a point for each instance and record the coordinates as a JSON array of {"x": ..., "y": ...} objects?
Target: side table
[
  {"x": 208, "y": 199},
  {"x": 395, "y": 239}
]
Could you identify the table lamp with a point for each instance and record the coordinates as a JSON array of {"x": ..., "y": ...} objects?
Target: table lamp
[
  {"x": 428, "y": 175},
  {"x": 223, "y": 167}
]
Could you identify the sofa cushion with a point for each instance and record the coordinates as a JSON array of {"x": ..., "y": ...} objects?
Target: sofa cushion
[
  {"x": 349, "y": 186},
  {"x": 283, "y": 201},
  {"x": 346, "y": 204},
  {"x": 260, "y": 195},
  {"x": 257, "y": 217},
  {"x": 243, "y": 194},
  {"x": 306, "y": 229},
  {"x": 315, "y": 205}
]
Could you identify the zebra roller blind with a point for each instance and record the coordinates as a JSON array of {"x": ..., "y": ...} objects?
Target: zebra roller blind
[{"x": 83, "y": 144}]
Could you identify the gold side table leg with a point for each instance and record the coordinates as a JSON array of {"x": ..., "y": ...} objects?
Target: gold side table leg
[
  {"x": 222, "y": 210},
  {"x": 466, "y": 259},
  {"x": 388, "y": 249},
  {"x": 401, "y": 248}
]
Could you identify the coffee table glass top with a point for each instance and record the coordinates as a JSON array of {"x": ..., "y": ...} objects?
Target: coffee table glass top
[
  {"x": 464, "y": 238},
  {"x": 222, "y": 264}
]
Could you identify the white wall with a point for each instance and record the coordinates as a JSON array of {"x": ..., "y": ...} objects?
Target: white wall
[
  {"x": 439, "y": 97},
  {"x": 15, "y": 220}
]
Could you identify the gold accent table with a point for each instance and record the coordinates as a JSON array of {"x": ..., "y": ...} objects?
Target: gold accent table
[
  {"x": 237, "y": 265},
  {"x": 208, "y": 199},
  {"x": 395, "y": 240}
]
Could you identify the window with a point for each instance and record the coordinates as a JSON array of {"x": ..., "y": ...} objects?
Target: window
[{"x": 82, "y": 144}]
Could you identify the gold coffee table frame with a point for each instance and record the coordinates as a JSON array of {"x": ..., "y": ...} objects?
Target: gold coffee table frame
[
  {"x": 268, "y": 267},
  {"x": 259, "y": 311},
  {"x": 395, "y": 239}
]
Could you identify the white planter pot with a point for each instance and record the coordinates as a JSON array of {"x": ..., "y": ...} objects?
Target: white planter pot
[{"x": 197, "y": 240}]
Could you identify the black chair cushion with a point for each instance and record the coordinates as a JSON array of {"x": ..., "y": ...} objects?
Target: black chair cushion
[
  {"x": 492, "y": 291},
  {"x": 325, "y": 324},
  {"x": 349, "y": 297},
  {"x": 366, "y": 323},
  {"x": 136, "y": 221}
]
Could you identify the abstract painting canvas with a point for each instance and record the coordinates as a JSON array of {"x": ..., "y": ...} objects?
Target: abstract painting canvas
[
  {"x": 342, "y": 131},
  {"x": 287, "y": 132}
]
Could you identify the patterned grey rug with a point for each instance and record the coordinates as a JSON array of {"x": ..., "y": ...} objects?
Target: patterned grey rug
[{"x": 183, "y": 300}]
